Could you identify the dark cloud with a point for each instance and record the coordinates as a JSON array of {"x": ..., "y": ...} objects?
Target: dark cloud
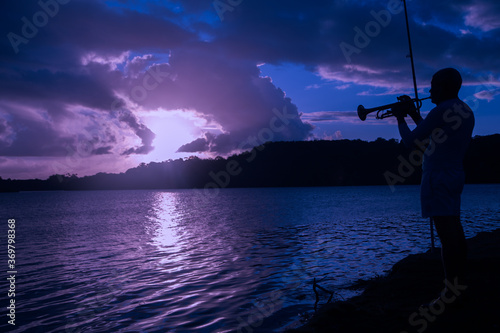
[
  {"x": 232, "y": 94},
  {"x": 83, "y": 69},
  {"x": 331, "y": 116},
  {"x": 28, "y": 130},
  {"x": 198, "y": 145},
  {"x": 102, "y": 150},
  {"x": 69, "y": 65},
  {"x": 37, "y": 139},
  {"x": 442, "y": 34},
  {"x": 141, "y": 131},
  {"x": 86, "y": 26},
  {"x": 6, "y": 134},
  {"x": 57, "y": 89}
]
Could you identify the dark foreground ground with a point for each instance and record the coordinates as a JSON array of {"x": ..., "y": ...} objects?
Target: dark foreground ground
[{"x": 392, "y": 303}]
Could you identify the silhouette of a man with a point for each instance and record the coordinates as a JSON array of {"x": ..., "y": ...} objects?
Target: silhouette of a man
[{"x": 447, "y": 129}]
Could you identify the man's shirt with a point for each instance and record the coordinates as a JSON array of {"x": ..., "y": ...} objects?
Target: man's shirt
[{"x": 449, "y": 127}]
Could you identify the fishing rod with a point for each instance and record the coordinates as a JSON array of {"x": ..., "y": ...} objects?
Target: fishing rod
[
  {"x": 362, "y": 111},
  {"x": 431, "y": 222},
  {"x": 411, "y": 56}
]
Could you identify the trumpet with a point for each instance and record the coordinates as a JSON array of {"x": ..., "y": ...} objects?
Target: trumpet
[{"x": 362, "y": 112}]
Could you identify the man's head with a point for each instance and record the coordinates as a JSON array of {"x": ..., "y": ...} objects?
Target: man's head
[{"x": 445, "y": 85}]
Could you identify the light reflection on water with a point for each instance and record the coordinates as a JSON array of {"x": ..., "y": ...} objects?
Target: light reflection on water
[{"x": 161, "y": 261}]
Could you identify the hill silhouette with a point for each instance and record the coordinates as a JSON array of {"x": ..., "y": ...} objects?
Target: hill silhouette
[{"x": 282, "y": 164}]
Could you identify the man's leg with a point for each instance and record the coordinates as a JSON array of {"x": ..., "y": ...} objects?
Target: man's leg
[{"x": 453, "y": 246}]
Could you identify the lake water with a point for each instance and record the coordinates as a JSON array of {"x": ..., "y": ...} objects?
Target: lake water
[{"x": 239, "y": 260}]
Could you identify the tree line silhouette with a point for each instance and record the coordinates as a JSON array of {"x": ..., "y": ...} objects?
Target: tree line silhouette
[{"x": 278, "y": 164}]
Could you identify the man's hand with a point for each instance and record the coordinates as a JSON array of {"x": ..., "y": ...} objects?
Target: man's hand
[{"x": 404, "y": 107}]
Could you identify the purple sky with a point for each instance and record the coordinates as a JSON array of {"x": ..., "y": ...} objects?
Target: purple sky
[{"x": 101, "y": 86}]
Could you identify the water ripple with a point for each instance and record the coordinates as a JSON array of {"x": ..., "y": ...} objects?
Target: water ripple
[{"x": 170, "y": 261}]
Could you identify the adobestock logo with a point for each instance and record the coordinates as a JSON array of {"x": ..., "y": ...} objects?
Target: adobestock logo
[
  {"x": 425, "y": 315},
  {"x": 228, "y": 6},
  {"x": 30, "y": 28},
  {"x": 407, "y": 167},
  {"x": 249, "y": 322},
  {"x": 372, "y": 29}
]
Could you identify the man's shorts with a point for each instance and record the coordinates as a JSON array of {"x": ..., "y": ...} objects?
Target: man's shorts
[{"x": 440, "y": 192}]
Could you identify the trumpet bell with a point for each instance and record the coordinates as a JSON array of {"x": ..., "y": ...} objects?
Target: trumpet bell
[{"x": 362, "y": 112}]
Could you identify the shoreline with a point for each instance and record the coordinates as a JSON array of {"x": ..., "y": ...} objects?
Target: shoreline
[{"x": 391, "y": 303}]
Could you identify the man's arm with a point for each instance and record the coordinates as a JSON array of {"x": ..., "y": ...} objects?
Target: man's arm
[
  {"x": 406, "y": 107},
  {"x": 424, "y": 127},
  {"x": 417, "y": 118},
  {"x": 404, "y": 131}
]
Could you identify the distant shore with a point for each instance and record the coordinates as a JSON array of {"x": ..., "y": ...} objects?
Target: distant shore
[
  {"x": 279, "y": 164},
  {"x": 392, "y": 303}
]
